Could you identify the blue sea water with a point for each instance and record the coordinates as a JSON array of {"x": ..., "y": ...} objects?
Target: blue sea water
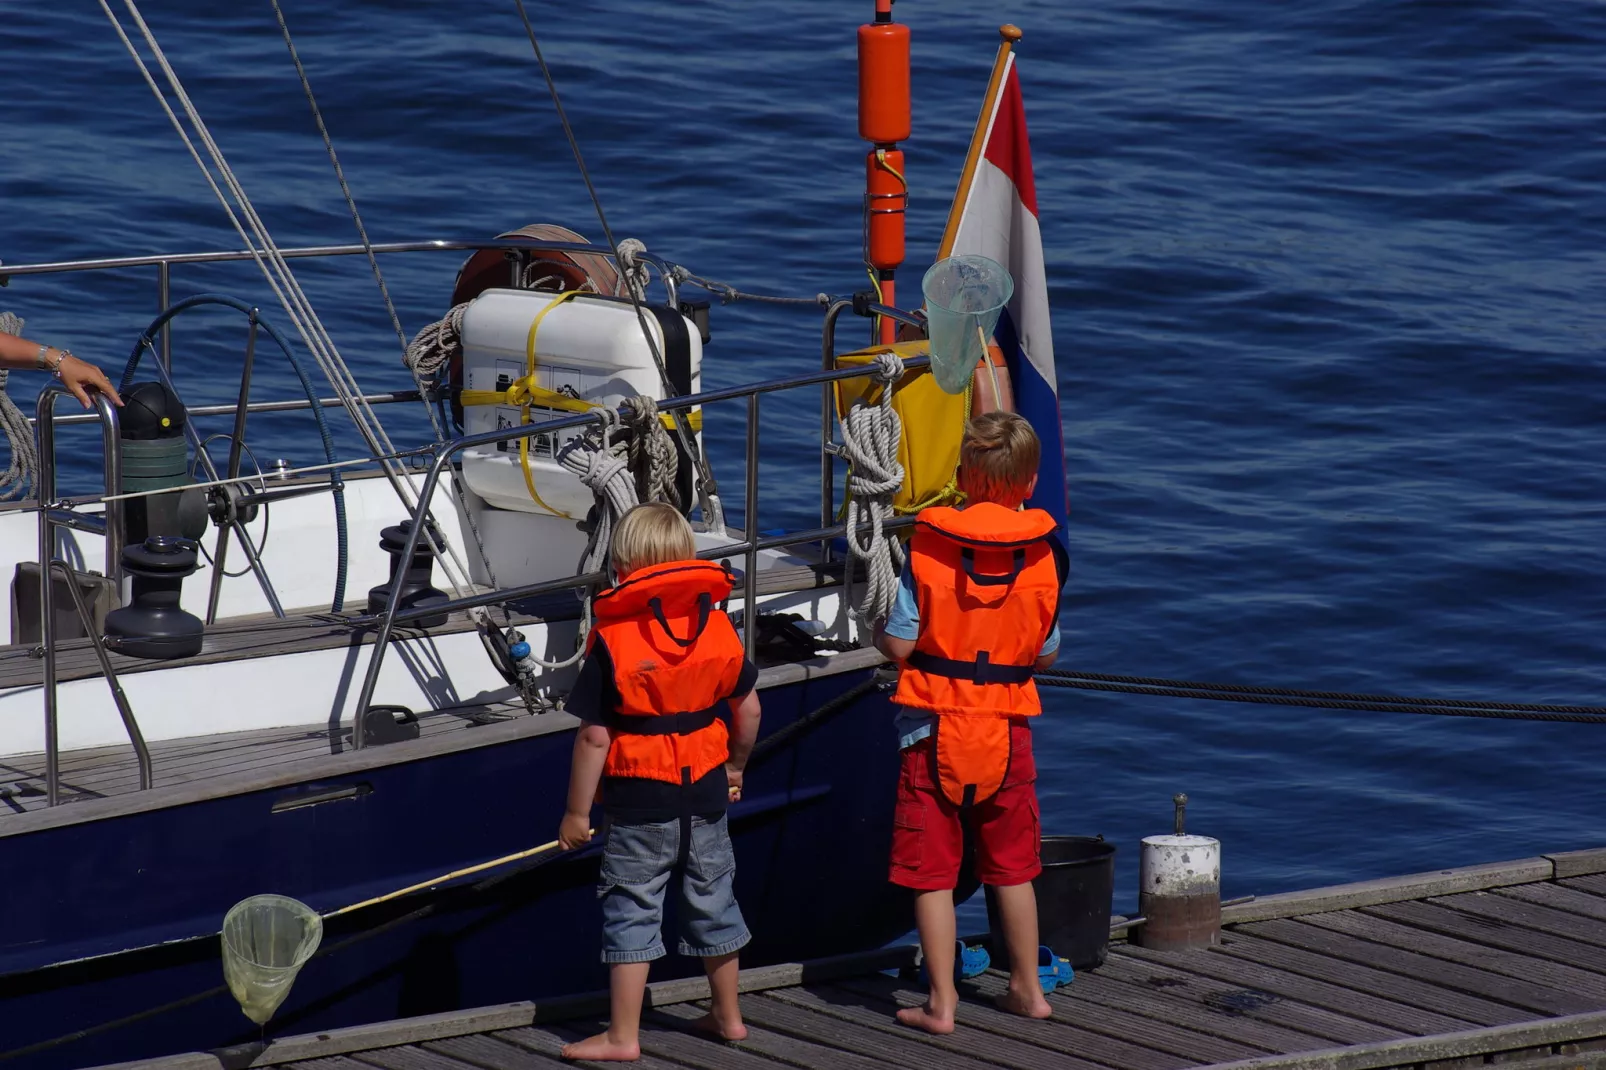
[{"x": 1327, "y": 290}]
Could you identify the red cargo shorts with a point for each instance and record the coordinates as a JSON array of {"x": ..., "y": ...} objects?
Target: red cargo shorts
[{"x": 928, "y": 831}]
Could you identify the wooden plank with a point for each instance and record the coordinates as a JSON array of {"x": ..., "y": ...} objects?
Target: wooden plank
[
  {"x": 1594, "y": 884},
  {"x": 1389, "y": 890},
  {"x": 1191, "y": 1044},
  {"x": 408, "y": 1057},
  {"x": 1158, "y": 1003},
  {"x": 1351, "y": 1002},
  {"x": 377, "y": 1035},
  {"x": 1575, "y": 965},
  {"x": 491, "y": 1053},
  {"x": 877, "y": 1014},
  {"x": 1529, "y": 915},
  {"x": 1398, "y": 949},
  {"x": 1407, "y": 990},
  {"x": 1417, "y": 1050},
  {"x": 677, "y": 1047},
  {"x": 901, "y": 1049},
  {"x": 333, "y": 1062},
  {"x": 1578, "y": 863},
  {"x": 778, "y": 1046},
  {"x": 1045, "y": 1033},
  {"x": 1239, "y": 1001},
  {"x": 550, "y": 1042},
  {"x": 1559, "y": 897}
]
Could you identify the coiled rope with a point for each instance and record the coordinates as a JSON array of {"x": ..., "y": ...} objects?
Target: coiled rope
[
  {"x": 1321, "y": 700},
  {"x": 621, "y": 470},
  {"x": 20, "y": 475},
  {"x": 870, "y": 436},
  {"x": 435, "y": 345}
]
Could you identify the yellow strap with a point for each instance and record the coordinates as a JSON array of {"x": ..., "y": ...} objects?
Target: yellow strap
[
  {"x": 524, "y": 392},
  {"x": 529, "y": 381}
]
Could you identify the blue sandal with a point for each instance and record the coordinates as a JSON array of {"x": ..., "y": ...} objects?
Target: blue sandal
[
  {"x": 968, "y": 962},
  {"x": 1053, "y": 971}
]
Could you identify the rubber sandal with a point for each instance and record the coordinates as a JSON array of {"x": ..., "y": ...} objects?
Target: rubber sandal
[
  {"x": 968, "y": 962},
  {"x": 1053, "y": 971}
]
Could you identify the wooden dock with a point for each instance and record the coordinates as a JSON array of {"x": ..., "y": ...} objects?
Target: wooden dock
[{"x": 1496, "y": 963}]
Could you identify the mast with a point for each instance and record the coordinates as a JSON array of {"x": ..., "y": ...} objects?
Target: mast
[{"x": 884, "y": 121}]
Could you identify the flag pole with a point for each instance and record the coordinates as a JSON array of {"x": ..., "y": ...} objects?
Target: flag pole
[{"x": 1010, "y": 34}]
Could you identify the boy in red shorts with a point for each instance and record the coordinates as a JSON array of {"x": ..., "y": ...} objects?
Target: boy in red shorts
[{"x": 977, "y": 612}]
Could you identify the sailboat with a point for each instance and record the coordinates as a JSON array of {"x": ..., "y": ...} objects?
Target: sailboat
[{"x": 373, "y": 701}]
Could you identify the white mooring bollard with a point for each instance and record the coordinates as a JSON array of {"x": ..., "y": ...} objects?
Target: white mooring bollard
[{"x": 1179, "y": 889}]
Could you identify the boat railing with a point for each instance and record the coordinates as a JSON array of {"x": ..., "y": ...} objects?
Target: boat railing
[
  {"x": 749, "y": 547},
  {"x": 109, "y": 525}
]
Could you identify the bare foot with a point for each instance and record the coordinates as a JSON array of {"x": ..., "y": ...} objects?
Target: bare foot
[
  {"x": 712, "y": 1026},
  {"x": 1028, "y": 1003},
  {"x": 602, "y": 1048},
  {"x": 928, "y": 1018}
]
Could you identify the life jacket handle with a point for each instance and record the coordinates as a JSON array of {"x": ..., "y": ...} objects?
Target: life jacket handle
[
  {"x": 705, "y": 606},
  {"x": 968, "y": 555}
]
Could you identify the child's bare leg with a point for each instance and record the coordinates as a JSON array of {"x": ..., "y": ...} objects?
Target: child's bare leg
[
  {"x": 627, "y": 985},
  {"x": 1017, "y": 916},
  {"x": 934, "y": 915},
  {"x": 724, "y": 1017}
]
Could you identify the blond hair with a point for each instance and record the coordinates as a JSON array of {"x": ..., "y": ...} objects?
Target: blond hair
[
  {"x": 998, "y": 458},
  {"x": 652, "y": 533}
]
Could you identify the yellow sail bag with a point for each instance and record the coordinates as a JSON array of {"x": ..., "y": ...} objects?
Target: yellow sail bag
[{"x": 933, "y": 425}]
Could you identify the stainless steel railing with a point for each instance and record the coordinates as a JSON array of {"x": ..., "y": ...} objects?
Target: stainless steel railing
[
  {"x": 108, "y": 525},
  {"x": 750, "y": 546}
]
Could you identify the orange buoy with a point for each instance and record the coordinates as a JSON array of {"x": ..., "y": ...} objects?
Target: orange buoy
[
  {"x": 884, "y": 82},
  {"x": 889, "y": 197}
]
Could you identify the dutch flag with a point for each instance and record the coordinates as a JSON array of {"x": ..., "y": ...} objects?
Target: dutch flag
[{"x": 995, "y": 215}]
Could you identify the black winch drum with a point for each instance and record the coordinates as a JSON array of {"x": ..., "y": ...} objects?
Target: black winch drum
[{"x": 1074, "y": 895}]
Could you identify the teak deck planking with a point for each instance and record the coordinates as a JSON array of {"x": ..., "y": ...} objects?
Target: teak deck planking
[{"x": 1510, "y": 968}]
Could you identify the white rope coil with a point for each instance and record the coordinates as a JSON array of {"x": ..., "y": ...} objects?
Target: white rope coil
[
  {"x": 19, "y": 476},
  {"x": 870, "y": 437},
  {"x": 620, "y": 474},
  {"x": 632, "y": 270},
  {"x": 438, "y": 343}
]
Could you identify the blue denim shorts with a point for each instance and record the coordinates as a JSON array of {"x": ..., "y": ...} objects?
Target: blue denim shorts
[{"x": 637, "y": 863}]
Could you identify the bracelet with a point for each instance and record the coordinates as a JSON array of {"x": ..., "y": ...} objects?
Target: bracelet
[{"x": 42, "y": 360}]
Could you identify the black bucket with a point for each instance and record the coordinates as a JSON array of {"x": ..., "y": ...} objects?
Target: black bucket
[{"x": 1074, "y": 893}]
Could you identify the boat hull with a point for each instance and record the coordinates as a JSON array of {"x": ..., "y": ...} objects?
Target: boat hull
[{"x": 138, "y": 897}]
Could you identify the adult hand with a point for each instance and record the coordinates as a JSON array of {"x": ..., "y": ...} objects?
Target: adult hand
[
  {"x": 82, "y": 378},
  {"x": 734, "y": 776}
]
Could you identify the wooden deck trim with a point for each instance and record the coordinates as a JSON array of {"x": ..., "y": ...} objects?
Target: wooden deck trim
[
  {"x": 1578, "y": 863},
  {"x": 1492, "y": 1040},
  {"x": 1395, "y": 889},
  {"x": 338, "y": 765},
  {"x": 511, "y": 1015}
]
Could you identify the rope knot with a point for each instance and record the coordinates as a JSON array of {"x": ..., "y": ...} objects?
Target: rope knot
[
  {"x": 632, "y": 269},
  {"x": 888, "y": 367}
]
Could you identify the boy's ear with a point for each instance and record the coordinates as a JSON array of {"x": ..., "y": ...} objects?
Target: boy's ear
[{"x": 1031, "y": 488}]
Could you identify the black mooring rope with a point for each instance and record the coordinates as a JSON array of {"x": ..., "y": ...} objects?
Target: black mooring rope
[{"x": 1321, "y": 700}]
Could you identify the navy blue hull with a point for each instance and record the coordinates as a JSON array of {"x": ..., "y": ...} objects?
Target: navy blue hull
[{"x": 811, "y": 842}]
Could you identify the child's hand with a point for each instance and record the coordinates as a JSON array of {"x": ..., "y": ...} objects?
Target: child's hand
[
  {"x": 574, "y": 831},
  {"x": 734, "y": 775}
]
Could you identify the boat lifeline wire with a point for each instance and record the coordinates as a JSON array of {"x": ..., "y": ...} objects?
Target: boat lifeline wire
[
  {"x": 436, "y": 419},
  {"x": 707, "y": 489}
]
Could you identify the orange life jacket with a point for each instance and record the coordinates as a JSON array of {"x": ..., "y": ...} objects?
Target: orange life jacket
[
  {"x": 676, "y": 659},
  {"x": 987, "y": 583}
]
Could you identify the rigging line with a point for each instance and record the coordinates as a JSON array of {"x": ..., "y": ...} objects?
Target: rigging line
[
  {"x": 436, "y": 421},
  {"x": 1297, "y": 692},
  {"x": 706, "y": 487},
  {"x": 290, "y": 294},
  {"x": 1321, "y": 704},
  {"x": 345, "y": 189}
]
